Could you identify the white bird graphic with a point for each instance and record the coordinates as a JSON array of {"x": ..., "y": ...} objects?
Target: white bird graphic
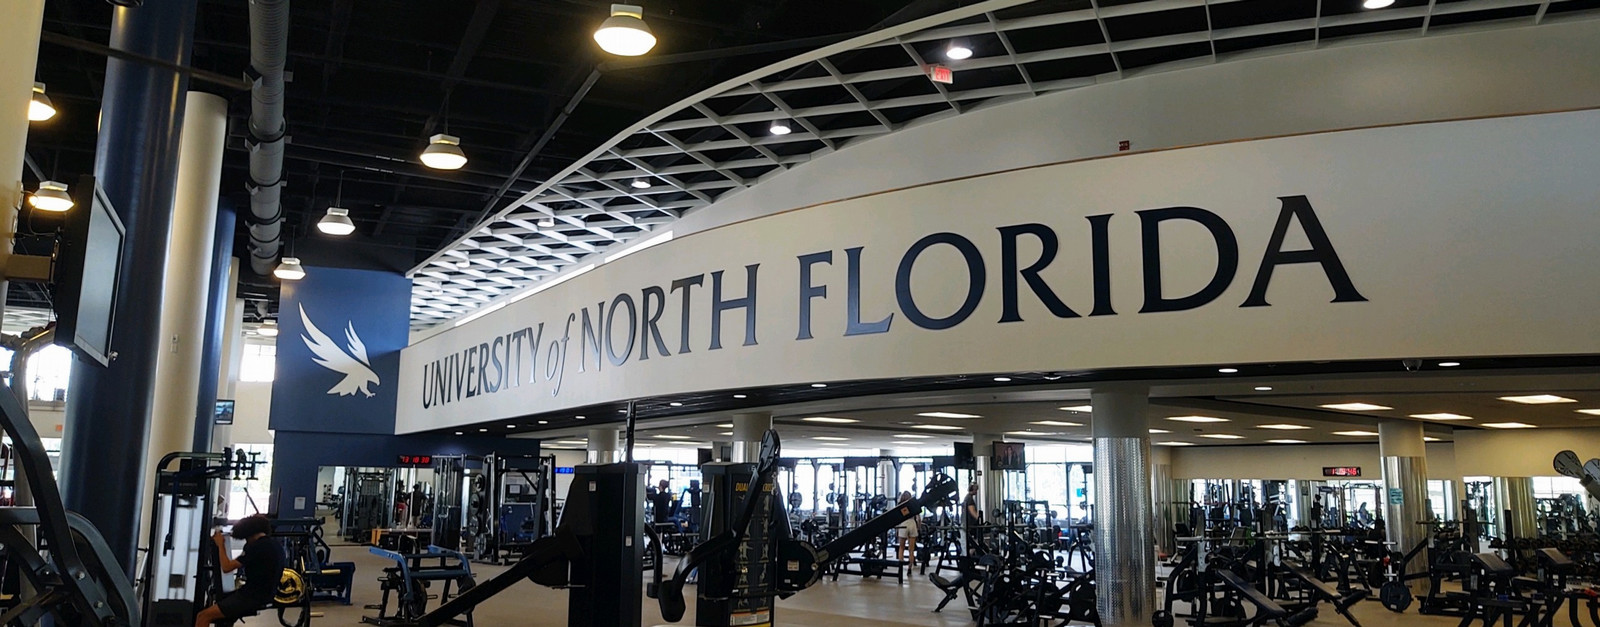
[{"x": 357, "y": 370}]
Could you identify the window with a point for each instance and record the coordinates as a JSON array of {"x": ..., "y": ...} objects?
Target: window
[
  {"x": 246, "y": 497},
  {"x": 259, "y": 363},
  {"x": 48, "y": 372}
]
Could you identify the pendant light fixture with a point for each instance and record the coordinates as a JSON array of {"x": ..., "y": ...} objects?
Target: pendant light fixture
[
  {"x": 640, "y": 183},
  {"x": 958, "y": 50},
  {"x": 268, "y": 328},
  {"x": 40, "y": 109},
  {"x": 444, "y": 150},
  {"x": 625, "y": 33},
  {"x": 337, "y": 221},
  {"x": 289, "y": 269},
  {"x": 780, "y": 127},
  {"x": 1376, "y": 4},
  {"x": 547, "y": 222},
  {"x": 52, "y": 196}
]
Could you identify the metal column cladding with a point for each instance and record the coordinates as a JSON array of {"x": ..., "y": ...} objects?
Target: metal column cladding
[
  {"x": 108, "y": 409},
  {"x": 1163, "y": 486},
  {"x": 1405, "y": 482},
  {"x": 1515, "y": 507},
  {"x": 1125, "y": 565}
]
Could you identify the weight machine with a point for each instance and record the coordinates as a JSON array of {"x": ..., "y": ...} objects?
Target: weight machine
[
  {"x": 368, "y": 502},
  {"x": 486, "y": 506}
]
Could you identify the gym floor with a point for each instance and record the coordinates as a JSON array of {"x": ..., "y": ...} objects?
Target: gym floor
[{"x": 850, "y": 601}]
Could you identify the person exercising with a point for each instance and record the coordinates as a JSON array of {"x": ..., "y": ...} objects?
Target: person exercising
[{"x": 263, "y": 563}]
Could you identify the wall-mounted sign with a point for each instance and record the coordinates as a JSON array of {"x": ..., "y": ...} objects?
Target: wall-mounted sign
[
  {"x": 416, "y": 460},
  {"x": 1341, "y": 471}
]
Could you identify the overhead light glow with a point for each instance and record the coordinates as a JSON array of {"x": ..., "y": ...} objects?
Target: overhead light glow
[
  {"x": 289, "y": 269},
  {"x": 1263, "y": 388},
  {"x": 1157, "y": 431},
  {"x": 1429, "y": 438},
  {"x": 780, "y": 127},
  {"x": 724, "y": 433},
  {"x": 1441, "y": 416},
  {"x": 1286, "y": 441},
  {"x": 1508, "y": 425},
  {"x": 458, "y": 433},
  {"x": 1449, "y": 364},
  {"x": 1078, "y": 408},
  {"x": 40, "y": 108},
  {"x": 829, "y": 438},
  {"x": 1355, "y": 407},
  {"x": 819, "y": 385},
  {"x": 912, "y": 436},
  {"x": 1056, "y": 423},
  {"x": 336, "y": 222},
  {"x": 1376, "y": 4},
  {"x": 672, "y": 437},
  {"x": 946, "y": 414},
  {"x": 1538, "y": 399},
  {"x": 578, "y": 418},
  {"x": 937, "y": 427},
  {"x": 1356, "y": 434},
  {"x": 515, "y": 426},
  {"x": 52, "y": 196},
  {"x": 830, "y": 420},
  {"x": 640, "y": 183},
  {"x": 544, "y": 422},
  {"x": 1002, "y": 379},
  {"x": 675, "y": 404},
  {"x": 1227, "y": 370},
  {"x": 444, "y": 153},
  {"x": 957, "y": 50},
  {"x": 269, "y": 328},
  {"x": 624, "y": 33},
  {"x": 1222, "y": 436},
  {"x": 725, "y": 425},
  {"x": 483, "y": 430},
  {"x": 740, "y": 396},
  {"x": 573, "y": 442},
  {"x": 1174, "y": 443},
  {"x": 1283, "y": 427},
  {"x": 1591, "y": 412},
  {"x": 1196, "y": 419}
]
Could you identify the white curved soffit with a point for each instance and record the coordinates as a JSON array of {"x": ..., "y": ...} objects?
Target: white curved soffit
[{"x": 718, "y": 141}]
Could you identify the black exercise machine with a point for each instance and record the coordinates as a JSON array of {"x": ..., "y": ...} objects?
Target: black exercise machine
[{"x": 407, "y": 583}]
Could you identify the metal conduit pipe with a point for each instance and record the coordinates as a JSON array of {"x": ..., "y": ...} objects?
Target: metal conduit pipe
[{"x": 269, "y": 48}]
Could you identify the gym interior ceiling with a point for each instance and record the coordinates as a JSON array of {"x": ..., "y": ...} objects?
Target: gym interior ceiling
[{"x": 371, "y": 81}]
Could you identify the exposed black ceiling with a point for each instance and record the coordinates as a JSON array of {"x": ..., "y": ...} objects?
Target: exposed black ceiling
[{"x": 372, "y": 80}]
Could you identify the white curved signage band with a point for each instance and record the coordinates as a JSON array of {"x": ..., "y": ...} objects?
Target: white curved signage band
[{"x": 1466, "y": 238}]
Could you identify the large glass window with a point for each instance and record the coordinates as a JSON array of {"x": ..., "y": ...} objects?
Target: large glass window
[
  {"x": 259, "y": 363},
  {"x": 246, "y": 497}
]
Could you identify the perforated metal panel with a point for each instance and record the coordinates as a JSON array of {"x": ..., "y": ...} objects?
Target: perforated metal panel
[{"x": 1124, "y": 547}]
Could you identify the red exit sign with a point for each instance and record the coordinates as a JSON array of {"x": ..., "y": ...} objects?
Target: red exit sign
[
  {"x": 1341, "y": 471},
  {"x": 941, "y": 74},
  {"x": 416, "y": 460}
]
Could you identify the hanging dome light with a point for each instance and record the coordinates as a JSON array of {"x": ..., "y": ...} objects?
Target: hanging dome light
[
  {"x": 52, "y": 196},
  {"x": 958, "y": 50},
  {"x": 780, "y": 127},
  {"x": 625, "y": 33},
  {"x": 40, "y": 109},
  {"x": 640, "y": 183},
  {"x": 1376, "y": 4},
  {"x": 337, "y": 222},
  {"x": 268, "y": 328},
  {"x": 444, "y": 153},
  {"x": 547, "y": 222},
  {"x": 289, "y": 269}
]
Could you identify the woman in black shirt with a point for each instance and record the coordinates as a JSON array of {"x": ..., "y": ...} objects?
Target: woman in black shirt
[{"x": 263, "y": 563}]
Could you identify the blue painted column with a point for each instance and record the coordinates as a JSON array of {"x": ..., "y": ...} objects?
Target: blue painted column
[
  {"x": 216, "y": 324},
  {"x": 108, "y": 409}
]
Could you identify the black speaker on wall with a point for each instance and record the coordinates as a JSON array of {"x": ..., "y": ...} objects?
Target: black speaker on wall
[{"x": 964, "y": 457}]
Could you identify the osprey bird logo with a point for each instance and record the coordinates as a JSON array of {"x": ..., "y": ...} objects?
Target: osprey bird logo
[{"x": 357, "y": 370}]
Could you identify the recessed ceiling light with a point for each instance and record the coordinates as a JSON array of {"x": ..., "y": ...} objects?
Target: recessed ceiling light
[
  {"x": 726, "y": 425},
  {"x": 578, "y": 418},
  {"x": 458, "y": 433},
  {"x": 622, "y": 411},
  {"x": 513, "y": 426},
  {"x": 725, "y": 433},
  {"x": 946, "y": 414},
  {"x": 1538, "y": 399},
  {"x": 483, "y": 430},
  {"x": 1197, "y": 419},
  {"x": 1356, "y": 434},
  {"x": 1227, "y": 370},
  {"x": 1591, "y": 412},
  {"x": 1056, "y": 423},
  {"x": 1031, "y": 433},
  {"x": 958, "y": 50},
  {"x": 740, "y": 396},
  {"x": 830, "y": 419},
  {"x": 1263, "y": 388},
  {"x": 937, "y": 427},
  {"x": 1355, "y": 407},
  {"x": 1508, "y": 425},
  {"x": 675, "y": 404},
  {"x": 1159, "y": 431},
  {"x": 819, "y": 385},
  {"x": 640, "y": 183},
  {"x": 1441, "y": 416},
  {"x": 833, "y": 444},
  {"x": 1078, "y": 408},
  {"x": 1002, "y": 379},
  {"x": 1376, "y": 4},
  {"x": 829, "y": 438},
  {"x": 1429, "y": 438},
  {"x": 572, "y": 442},
  {"x": 1286, "y": 441},
  {"x": 780, "y": 127},
  {"x": 1449, "y": 364},
  {"x": 544, "y": 422},
  {"x": 912, "y": 436},
  {"x": 1222, "y": 436},
  {"x": 672, "y": 437},
  {"x": 1283, "y": 427},
  {"x": 1174, "y": 444}
]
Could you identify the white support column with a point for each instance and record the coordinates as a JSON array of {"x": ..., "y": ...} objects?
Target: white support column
[
  {"x": 1125, "y": 573},
  {"x": 604, "y": 446},
  {"x": 19, "y": 57},
  {"x": 1405, "y": 483},
  {"x": 748, "y": 429},
  {"x": 888, "y": 475}
]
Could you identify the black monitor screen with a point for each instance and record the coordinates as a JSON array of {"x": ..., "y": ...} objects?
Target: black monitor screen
[
  {"x": 1008, "y": 456},
  {"x": 964, "y": 457},
  {"x": 87, "y": 268}
]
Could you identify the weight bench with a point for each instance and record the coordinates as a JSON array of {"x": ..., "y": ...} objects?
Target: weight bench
[
  {"x": 1323, "y": 591},
  {"x": 408, "y": 580},
  {"x": 1266, "y": 608},
  {"x": 1494, "y": 596}
]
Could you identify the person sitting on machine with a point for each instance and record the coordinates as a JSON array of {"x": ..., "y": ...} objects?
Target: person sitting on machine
[{"x": 263, "y": 561}]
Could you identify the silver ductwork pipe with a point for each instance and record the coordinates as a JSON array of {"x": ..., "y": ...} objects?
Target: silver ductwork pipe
[{"x": 269, "y": 50}]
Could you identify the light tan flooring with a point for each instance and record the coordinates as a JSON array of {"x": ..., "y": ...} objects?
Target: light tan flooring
[{"x": 850, "y": 601}]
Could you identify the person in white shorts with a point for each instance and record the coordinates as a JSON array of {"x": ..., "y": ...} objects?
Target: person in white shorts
[{"x": 907, "y": 532}]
